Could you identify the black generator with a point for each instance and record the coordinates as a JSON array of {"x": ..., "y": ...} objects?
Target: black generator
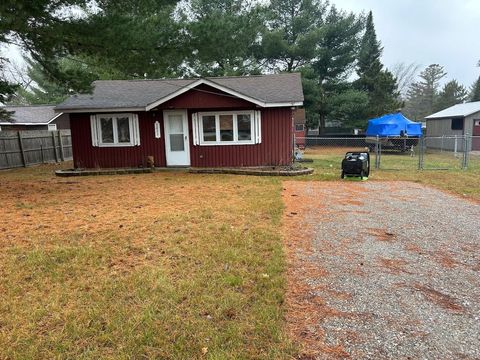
[{"x": 356, "y": 164}]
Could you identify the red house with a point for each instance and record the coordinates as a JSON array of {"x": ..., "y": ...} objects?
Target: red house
[{"x": 207, "y": 122}]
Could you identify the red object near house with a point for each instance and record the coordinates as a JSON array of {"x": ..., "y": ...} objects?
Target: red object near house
[
  {"x": 213, "y": 122},
  {"x": 300, "y": 129},
  {"x": 476, "y": 135}
]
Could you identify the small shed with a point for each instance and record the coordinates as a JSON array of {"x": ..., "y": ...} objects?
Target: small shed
[
  {"x": 457, "y": 120},
  {"x": 35, "y": 117}
]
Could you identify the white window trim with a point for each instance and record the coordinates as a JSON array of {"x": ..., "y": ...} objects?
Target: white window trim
[
  {"x": 133, "y": 126},
  {"x": 302, "y": 125},
  {"x": 198, "y": 123}
]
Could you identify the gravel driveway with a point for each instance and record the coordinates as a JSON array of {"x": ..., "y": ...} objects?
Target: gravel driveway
[{"x": 382, "y": 270}]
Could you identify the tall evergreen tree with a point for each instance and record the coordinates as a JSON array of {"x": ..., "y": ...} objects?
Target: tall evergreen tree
[
  {"x": 318, "y": 40},
  {"x": 379, "y": 83},
  {"x": 292, "y": 33},
  {"x": 415, "y": 105},
  {"x": 7, "y": 91},
  {"x": 451, "y": 94},
  {"x": 133, "y": 38},
  {"x": 349, "y": 106},
  {"x": 223, "y": 36},
  {"x": 422, "y": 94},
  {"x": 335, "y": 59},
  {"x": 42, "y": 89},
  {"x": 369, "y": 64},
  {"x": 475, "y": 91}
]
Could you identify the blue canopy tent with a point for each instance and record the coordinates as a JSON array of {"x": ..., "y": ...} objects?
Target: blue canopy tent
[{"x": 393, "y": 125}]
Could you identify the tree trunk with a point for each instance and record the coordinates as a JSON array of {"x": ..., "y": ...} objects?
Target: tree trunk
[{"x": 321, "y": 125}]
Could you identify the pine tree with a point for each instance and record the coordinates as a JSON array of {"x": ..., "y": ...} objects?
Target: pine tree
[
  {"x": 292, "y": 32},
  {"x": 475, "y": 91},
  {"x": 40, "y": 89},
  {"x": 451, "y": 94},
  {"x": 7, "y": 91},
  {"x": 334, "y": 62},
  {"x": 422, "y": 95},
  {"x": 414, "y": 105},
  {"x": 223, "y": 37},
  {"x": 320, "y": 41},
  {"x": 377, "y": 82},
  {"x": 369, "y": 64}
]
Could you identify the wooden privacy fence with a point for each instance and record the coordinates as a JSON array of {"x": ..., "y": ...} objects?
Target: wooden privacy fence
[{"x": 24, "y": 148}]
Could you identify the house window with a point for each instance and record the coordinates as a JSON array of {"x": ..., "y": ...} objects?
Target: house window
[
  {"x": 299, "y": 127},
  {"x": 244, "y": 126},
  {"x": 227, "y": 128},
  {"x": 209, "y": 132},
  {"x": 457, "y": 124},
  {"x": 110, "y": 130}
]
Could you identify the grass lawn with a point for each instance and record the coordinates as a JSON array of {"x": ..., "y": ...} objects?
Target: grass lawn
[
  {"x": 396, "y": 166},
  {"x": 165, "y": 265}
]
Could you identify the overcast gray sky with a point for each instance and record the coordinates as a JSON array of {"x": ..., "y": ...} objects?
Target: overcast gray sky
[{"x": 446, "y": 32}]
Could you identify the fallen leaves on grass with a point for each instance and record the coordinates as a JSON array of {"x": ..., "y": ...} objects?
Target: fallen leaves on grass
[{"x": 140, "y": 266}]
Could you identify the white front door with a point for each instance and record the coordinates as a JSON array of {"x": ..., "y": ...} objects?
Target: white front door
[{"x": 176, "y": 138}]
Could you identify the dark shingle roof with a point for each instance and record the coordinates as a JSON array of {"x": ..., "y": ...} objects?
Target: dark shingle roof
[
  {"x": 133, "y": 94},
  {"x": 33, "y": 114}
]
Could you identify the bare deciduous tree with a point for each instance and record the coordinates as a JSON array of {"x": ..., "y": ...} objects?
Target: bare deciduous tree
[{"x": 405, "y": 74}]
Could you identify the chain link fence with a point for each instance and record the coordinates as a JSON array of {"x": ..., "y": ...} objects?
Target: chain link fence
[{"x": 397, "y": 153}]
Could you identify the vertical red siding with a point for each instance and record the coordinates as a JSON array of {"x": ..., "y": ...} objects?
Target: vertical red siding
[
  {"x": 205, "y": 97},
  {"x": 275, "y": 149},
  {"x": 87, "y": 156}
]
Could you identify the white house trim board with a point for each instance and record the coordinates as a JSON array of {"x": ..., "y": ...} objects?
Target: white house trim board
[
  {"x": 55, "y": 117},
  {"x": 21, "y": 124},
  {"x": 285, "y": 104},
  {"x": 93, "y": 130}
]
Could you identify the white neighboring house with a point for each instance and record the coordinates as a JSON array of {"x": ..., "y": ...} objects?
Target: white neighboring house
[
  {"x": 457, "y": 120},
  {"x": 35, "y": 117}
]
